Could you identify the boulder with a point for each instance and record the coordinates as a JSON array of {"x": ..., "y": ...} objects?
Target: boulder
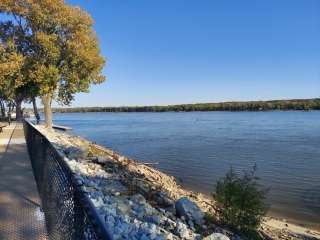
[
  {"x": 188, "y": 209},
  {"x": 162, "y": 199},
  {"x": 76, "y": 152},
  {"x": 216, "y": 236},
  {"x": 103, "y": 159}
]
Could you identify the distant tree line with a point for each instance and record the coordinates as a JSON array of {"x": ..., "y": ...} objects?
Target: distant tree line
[{"x": 295, "y": 104}]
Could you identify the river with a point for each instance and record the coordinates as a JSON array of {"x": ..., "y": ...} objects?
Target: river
[{"x": 200, "y": 147}]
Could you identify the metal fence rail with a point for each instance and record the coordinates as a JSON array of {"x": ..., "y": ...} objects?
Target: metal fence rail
[{"x": 69, "y": 214}]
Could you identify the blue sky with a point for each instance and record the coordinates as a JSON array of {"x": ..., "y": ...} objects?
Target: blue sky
[{"x": 182, "y": 51}]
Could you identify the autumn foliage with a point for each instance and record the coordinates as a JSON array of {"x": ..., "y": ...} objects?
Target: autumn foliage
[{"x": 48, "y": 49}]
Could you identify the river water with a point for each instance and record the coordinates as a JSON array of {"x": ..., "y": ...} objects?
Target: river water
[{"x": 199, "y": 147}]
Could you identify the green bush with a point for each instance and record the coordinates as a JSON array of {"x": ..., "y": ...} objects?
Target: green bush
[{"x": 241, "y": 201}]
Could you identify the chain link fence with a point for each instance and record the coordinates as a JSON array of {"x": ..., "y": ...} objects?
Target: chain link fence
[{"x": 69, "y": 213}]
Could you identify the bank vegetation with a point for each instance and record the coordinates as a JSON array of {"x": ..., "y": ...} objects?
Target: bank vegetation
[{"x": 273, "y": 105}]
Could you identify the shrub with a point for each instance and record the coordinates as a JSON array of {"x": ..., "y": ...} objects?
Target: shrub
[{"x": 241, "y": 201}]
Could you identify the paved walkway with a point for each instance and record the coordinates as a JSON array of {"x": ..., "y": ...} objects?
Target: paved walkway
[{"x": 20, "y": 215}]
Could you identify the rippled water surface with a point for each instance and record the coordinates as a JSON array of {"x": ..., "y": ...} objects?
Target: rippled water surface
[{"x": 199, "y": 147}]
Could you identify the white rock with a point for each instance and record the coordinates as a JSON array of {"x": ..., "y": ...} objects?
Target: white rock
[
  {"x": 182, "y": 230},
  {"x": 187, "y": 208},
  {"x": 216, "y": 236}
]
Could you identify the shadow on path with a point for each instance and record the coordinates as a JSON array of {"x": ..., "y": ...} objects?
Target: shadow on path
[{"x": 20, "y": 214}]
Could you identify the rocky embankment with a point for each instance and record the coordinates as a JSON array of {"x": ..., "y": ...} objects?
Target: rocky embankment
[{"x": 139, "y": 202}]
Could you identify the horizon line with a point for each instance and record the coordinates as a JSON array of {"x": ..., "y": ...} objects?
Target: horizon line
[{"x": 162, "y": 105}]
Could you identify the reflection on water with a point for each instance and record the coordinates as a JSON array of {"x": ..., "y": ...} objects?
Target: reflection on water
[{"x": 199, "y": 147}]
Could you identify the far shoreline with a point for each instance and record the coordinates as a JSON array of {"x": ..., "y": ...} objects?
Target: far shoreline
[
  {"x": 245, "y": 106},
  {"x": 220, "y": 111}
]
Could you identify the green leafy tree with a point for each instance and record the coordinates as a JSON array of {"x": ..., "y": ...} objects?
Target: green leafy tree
[
  {"x": 241, "y": 201},
  {"x": 61, "y": 51}
]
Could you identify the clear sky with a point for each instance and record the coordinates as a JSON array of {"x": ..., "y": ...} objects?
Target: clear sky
[{"x": 189, "y": 51}]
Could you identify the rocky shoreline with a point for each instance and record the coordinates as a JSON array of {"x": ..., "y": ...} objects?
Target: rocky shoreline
[{"x": 139, "y": 202}]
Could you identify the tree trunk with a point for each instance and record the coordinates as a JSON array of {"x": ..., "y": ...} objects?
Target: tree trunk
[
  {"x": 19, "y": 114},
  {"x": 35, "y": 110},
  {"x": 11, "y": 106},
  {"x": 3, "y": 110},
  {"x": 47, "y": 110},
  {"x": 9, "y": 112}
]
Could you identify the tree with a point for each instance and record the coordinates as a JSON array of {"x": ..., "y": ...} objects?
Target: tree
[
  {"x": 241, "y": 201},
  {"x": 60, "y": 47},
  {"x": 13, "y": 60},
  {"x": 11, "y": 81}
]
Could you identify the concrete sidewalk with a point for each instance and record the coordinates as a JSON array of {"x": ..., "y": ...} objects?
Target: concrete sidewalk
[
  {"x": 5, "y": 137},
  {"x": 20, "y": 215}
]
